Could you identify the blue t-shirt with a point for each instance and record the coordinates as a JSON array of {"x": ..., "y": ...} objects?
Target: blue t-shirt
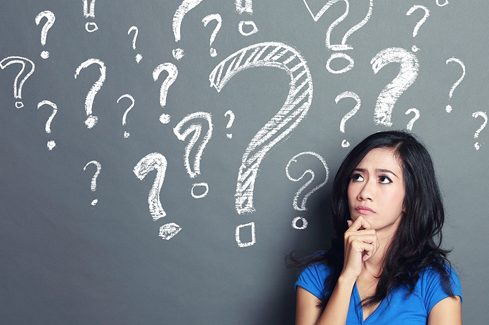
[{"x": 414, "y": 309}]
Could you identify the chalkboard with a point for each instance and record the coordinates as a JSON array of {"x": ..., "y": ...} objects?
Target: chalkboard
[{"x": 160, "y": 159}]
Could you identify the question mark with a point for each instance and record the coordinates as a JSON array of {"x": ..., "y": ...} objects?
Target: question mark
[
  {"x": 420, "y": 23},
  {"x": 414, "y": 119},
  {"x": 158, "y": 162},
  {"x": 194, "y": 169},
  {"x": 44, "y": 32},
  {"x": 348, "y": 115},
  {"x": 89, "y": 12},
  {"x": 476, "y": 135},
  {"x": 253, "y": 30},
  {"x": 182, "y": 10},
  {"x": 124, "y": 117},
  {"x": 18, "y": 85},
  {"x": 170, "y": 79},
  {"x": 407, "y": 75},
  {"x": 449, "y": 107},
  {"x": 302, "y": 206},
  {"x": 51, "y": 144},
  {"x": 206, "y": 20},
  {"x": 230, "y": 123},
  {"x": 92, "y": 119},
  {"x": 136, "y": 32},
  {"x": 93, "y": 184}
]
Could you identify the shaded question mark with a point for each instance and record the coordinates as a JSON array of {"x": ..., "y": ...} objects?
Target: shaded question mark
[
  {"x": 51, "y": 144},
  {"x": 182, "y": 10},
  {"x": 89, "y": 11},
  {"x": 230, "y": 122},
  {"x": 158, "y": 162},
  {"x": 170, "y": 79},
  {"x": 420, "y": 23},
  {"x": 124, "y": 117},
  {"x": 302, "y": 206},
  {"x": 476, "y": 135},
  {"x": 136, "y": 32},
  {"x": 19, "y": 84},
  {"x": 50, "y": 17},
  {"x": 455, "y": 85},
  {"x": 407, "y": 75},
  {"x": 92, "y": 119},
  {"x": 93, "y": 183},
  {"x": 241, "y": 8},
  {"x": 348, "y": 94},
  {"x": 414, "y": 119},
  {"x": 205, "y": 21}
]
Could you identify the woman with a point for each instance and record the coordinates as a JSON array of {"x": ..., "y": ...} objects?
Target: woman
[{"x": 385, "y": 264}]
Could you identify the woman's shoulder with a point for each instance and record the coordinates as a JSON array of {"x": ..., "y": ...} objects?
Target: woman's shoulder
[{"x": 431, "y": 282}]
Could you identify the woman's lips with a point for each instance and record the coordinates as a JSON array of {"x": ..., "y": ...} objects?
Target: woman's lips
[{"x": 364, "y": 210}]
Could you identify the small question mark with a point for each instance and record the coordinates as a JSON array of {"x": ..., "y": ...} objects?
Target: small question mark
[
  {"x": 92, "y": 119},
  {"x": 93, "y": 184},
  {"x": 476, "y": 135},
  {"x": 124, "y": 117},
  {"x": 302, "y": 206},
  {"x": 44, "y": 32},
  {"x": 170, "y": 79},
  {"x": 348, "y": 115},
  {"x": 248, "y": 8},
  {"x": 182, "y": 10},
  {"x": 206, "y": 20},
  {"x": 136, "y": 32},
  {"x": 18, "y": 85},
  {"x": 89, "y": 12},
  {"x": 230, "y": 123},
  {"x": 420, "y": 23},
  {"x": 449, "y": 107},
  {"x": 51, "y": 144},
  {"x": 414, "y": 119}
]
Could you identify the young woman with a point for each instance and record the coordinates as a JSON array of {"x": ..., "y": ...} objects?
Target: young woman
[{"x": 385, "y": 264}]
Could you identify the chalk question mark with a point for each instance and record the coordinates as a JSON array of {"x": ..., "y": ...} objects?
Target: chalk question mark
[
  {"x": 246, "y": 6},
  {"x": 50, "y": 17},
  {"x": 205, "y": 21},
  {"x": 51, "y": 144},
  {"x": 170, "y": 79},
  {"x": 476, "y": 135},
  {"x": 89, "y": 11},
  {"x": 182, "y": 10},
  {"x": 348, "y": 94},
  {"x": 92, "y": 119},
  {"x": 230, "y": 122},
  {"x": 302, "y": 206},
  {"x": 136, "y": 32},
  {"x": 455, "y": 85},
  {"x": 124, "y": 117},
  {"x": 414, "y": 119},
  {"x": 420, "y": 23},
  {"x": 22, "y": 73},
  {"x": 93, "y": 183}
]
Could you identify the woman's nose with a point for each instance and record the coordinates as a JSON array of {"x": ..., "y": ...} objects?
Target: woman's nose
[{"x": 366, "y": 192}]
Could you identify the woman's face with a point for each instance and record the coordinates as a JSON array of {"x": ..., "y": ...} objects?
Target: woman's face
[{"x": 376, "y": 190}]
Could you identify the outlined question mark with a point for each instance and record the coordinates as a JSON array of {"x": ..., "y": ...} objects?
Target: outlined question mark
[
  {"x": 136, "y": 32},
  {"x": 247, "y": 7},
  {"x": 348, "y": 94},
  {"x": 414, "y": 119},
  {"x": 93, "y": 183},
  {"x": 51, "y": 144},
  {"x": 158, "y": 162},
  {"x": 92, "y": 119},
  {"x": 19, "y": 84},
  {"x": 407, "y": 75},
  {"x": 50, "y": 17},
  {"x": 124, "y": 117},
  {"x": 230, "y": 122},
  {"x": 302, "y": 206},
  {"x": 455, "y": 85},
  {"x": 205, "y": 21},
  {"x": 441, "y": 4},
  {"x": 170, "y": 79},
  {"x": 89, "y": 11},
  {"x": 420, "y": 23},
  {"x": 476, "y": 135},
  {"x": 182, "y": 10}
]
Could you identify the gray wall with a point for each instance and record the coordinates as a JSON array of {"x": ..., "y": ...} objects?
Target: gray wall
[{"x": 66, "y": 260}]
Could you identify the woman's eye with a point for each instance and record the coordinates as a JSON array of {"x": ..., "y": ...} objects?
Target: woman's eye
[
  {"x": 357, "y": 178},
  {"x": 385, "y": 180}
]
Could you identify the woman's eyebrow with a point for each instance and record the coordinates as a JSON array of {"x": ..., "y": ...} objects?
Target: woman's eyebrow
[{"x": 386, "y": 171}]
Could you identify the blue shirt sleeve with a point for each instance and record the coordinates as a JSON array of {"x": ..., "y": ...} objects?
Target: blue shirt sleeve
[
  {"x": 312, "y": 279},
  {"x": 432, "y": 288}
]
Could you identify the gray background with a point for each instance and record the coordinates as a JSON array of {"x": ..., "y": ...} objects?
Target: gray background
[{"x": 64, "y": 261}]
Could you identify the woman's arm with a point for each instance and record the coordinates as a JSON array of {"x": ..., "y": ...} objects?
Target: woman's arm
[{"x": 446, "y": 312}]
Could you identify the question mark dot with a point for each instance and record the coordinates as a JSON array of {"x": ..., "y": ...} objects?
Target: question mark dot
[
  {"x": 415, "y": 48},
  {"x": 477, "y": 146},
  {"x": 229, "y": 135},
  {"x": 44, "y": 55},
  {"x": 448, "y": 108},
  {"x": 304, "y": 223},
  {"x": 138, "y": 58},
  {"x": 213, "y": 53},
  {"x": 165, "y": 118},
  {"x": 51, "y": 144},
  {"x": 345, "y": 144},
  {"x": 126, "y": 135},
  {"x": 94, "y": 202},
  {"x": 19, "y": 104},
  {"x": 178, "y": 54}
]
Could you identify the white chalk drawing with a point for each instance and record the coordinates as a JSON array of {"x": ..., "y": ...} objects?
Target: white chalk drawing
[
  {"x": 182, "y": 10},
  {"x": 136, "y": 32},
  {"x": 406, "y": 77},
  {"x": 348, "y": 94},
  {"x": 93, "y": 183},
  {"x": 420, "y": 23},
  {"x": 320, "y": 12},
  {"x": 51, "y": 144},
  {"x": 169, "y": 80},
  {"x": 441, "y": 4},
  {"x": 295, "y": 108},
  {"x": 302, "y": 220},
  {"x": 337, "y": 56},
  {"x": 243, "y": 23},
  {"x": 205, "y": 21},
  {"x": 124, "y": 117},
  {"x": 455, "y": 85},
  {"x": 414, "y": 119},
  {"x": 50, "y": 19},
  {"x": 89, "y": 11},
  {"x": 251, "y": 227},
  {"x": 479, "y": 130},
  {"x": 21, "y": 76},
  {"x": 92, "y": 119},
  {"x": 230, "y": 122},
  {"x": 169, "y": 230},
  {"x": 244, "y": 6},
  {"x": 204, "y": 193}
]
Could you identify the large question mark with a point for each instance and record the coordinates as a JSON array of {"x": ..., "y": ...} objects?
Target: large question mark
[
  {"x": 449, "y": 107},
  {"x": 348, "y": 94},
  {"x": 51, "y": 144},
  {"x": 302, "y": 206},
  {"x": 92, "y": 119},
  {"x": 44, "y": 32},
  {"x": 93, "y": 183},
  {"x": 182, "y": 10},
  {"x": 124, "y": 117},
  {"x": 89, "y": 11},
  {"x": 136, "y": 32},
  {"x": 407, "y": 75},
  {"x": 420, "y": 23},
  {"x": 476, "y": 135},
  {"x": 230, "y": 122},
  {"x": 414, "y": 119},
  {"x": 205, "y": 21},
  {"x": 18, "y": 85},
  {"x": 248, "y": 8},
  {"x": 182, "y": 132},
  {"x": 170, "y": 79},
  {"x": 158, "y": 162}
]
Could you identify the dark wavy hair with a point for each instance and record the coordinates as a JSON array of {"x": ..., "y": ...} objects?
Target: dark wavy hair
[{"x": 416, "y": 245}]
